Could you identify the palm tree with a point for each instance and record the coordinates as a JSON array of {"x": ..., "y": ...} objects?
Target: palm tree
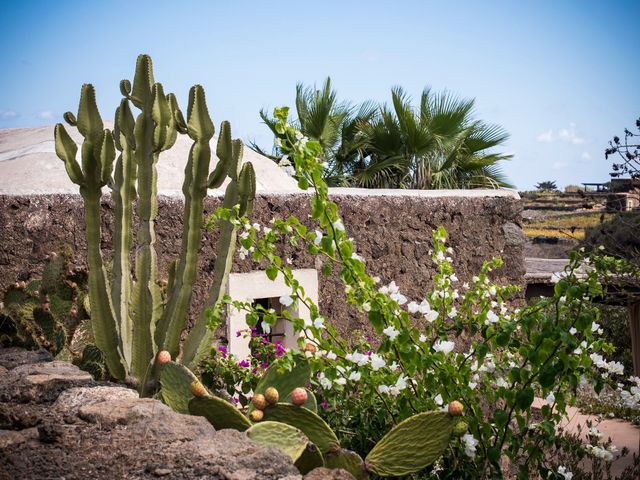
[
  {"x": 439, "y": 145},
  {"x": 335, "y": 125}
]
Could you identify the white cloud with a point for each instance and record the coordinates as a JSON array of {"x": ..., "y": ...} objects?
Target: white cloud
[
  {"x": 585, "y": 156},
  {"x": 45, "y": 115},
  {"x": 559, "y": 165},
  {"x": 568, "y": 135},
  {"x": 6, "y": 114},
  {"x": 545, "y": 136}
]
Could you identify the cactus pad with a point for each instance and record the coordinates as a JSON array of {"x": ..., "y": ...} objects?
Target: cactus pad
[
  {"x": 285, "y": 438},
  {"x": 220, "y": 413},
  {"x": 349, "y": 461},
  {"x": 411, "y": 445},
  {"x": 176, "y": 381},
  {"x": 311, "y": 424},
  {"x": 311, "y": 458}
]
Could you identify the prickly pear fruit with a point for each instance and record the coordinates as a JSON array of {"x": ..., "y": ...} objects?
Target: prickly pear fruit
[
  {"x": 310, "y": 347},
  {"x": 299, "y": 396},
  {"x": 271, "y": 395},
  {"x": 197, "y": 389},
  {"x": 163, "y": 357},
  {"x": 460, "y": 428},
  {"x": 456, "y": 408},
  {"x": 259, "y": 401},
  {"x": 256, "y": 415}
]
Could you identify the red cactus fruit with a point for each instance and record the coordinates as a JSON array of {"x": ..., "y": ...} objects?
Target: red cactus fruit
[
  {"x": 163, "y": 357},
  {"x": 456, "y": 408},
  {"x": 299, "y": 396}
]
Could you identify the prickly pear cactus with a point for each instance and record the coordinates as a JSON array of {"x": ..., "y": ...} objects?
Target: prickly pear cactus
[
  {"x": 284, "y": 380},
  {"x": 176, "y": 380},
  {"x": 349, "y": 461},
  {"x": 311, "y": 424},
  {"x": 285, "y": 438},
  {"x": 311, "y": 458},
  {"x": 46, "y": 312},
  {"x": 220, "y": 413},
  {"x": 411, "y": 445}
]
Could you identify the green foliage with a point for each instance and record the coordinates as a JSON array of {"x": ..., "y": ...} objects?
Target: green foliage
[
  {"x": 547, "y": 186},
  {"x": 436, "y": 145},
  {"x": 134, "y": 319}
]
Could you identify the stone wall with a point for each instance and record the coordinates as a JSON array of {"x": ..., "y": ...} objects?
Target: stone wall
[{"x": 391, "y": 230}]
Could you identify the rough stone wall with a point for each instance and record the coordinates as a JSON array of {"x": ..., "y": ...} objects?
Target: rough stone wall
[{"x": 392, "y": 233}]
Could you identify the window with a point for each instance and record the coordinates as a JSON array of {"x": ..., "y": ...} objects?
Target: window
[{"x": 255, "y": 287}]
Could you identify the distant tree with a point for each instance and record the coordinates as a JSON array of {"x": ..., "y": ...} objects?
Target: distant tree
[
  {"x": 548, "y": 186},
  {"x": 628, "y": 154}
]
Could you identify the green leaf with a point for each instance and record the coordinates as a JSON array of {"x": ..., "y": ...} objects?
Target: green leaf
[
  {"x": 524, "y": 399},
  {"x": 272, "y": 272}
]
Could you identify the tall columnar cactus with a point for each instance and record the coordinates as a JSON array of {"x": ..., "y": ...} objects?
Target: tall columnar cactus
[{"x": 130, "y": 320}]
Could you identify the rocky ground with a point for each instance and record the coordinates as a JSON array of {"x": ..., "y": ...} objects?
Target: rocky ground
[{"x": 56, "y": 422}]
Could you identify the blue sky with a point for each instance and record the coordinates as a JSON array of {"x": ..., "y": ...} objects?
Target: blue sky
[{"x": 560, "y": 77}]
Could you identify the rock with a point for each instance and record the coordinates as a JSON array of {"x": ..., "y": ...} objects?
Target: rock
[
  {"x": 11, "y": 358},
  {"x": 86, "y": 430},
  {"x": 13, "y": 437},
  {"x": 71, "y": 400},
  {"x": 322, "y": 473},
  {"x": 513, "y": 235},
  {"x": 41, "y": 382},
  {"x": 49, "y": 433}
]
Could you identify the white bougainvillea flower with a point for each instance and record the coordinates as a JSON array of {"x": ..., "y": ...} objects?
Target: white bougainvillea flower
[
  {"x": 413, "y": 307},
  {"x": 338, "y": 225},
  {"x": 377, "y": 362},
  {"x": 491, "y": 318},
  {"x": 438, "y": 399},
  {"x": 286, "y": 300},
  {"x": 319, "y": 323},
  {"x": 566, "y": 474},
  {"x": 331, "y": 355},
  {"x": 470, "y": 444},
  {"x": 444, "y": 346},
  {"x": 266, "y": 328},
  {"x": 391, "y": 332},
  {"x": 355, "y": 376},
  {"x": 431, "y": 316}
]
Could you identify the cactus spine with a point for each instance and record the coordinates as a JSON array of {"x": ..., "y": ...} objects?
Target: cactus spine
[{"x": 130, "y": 320}]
